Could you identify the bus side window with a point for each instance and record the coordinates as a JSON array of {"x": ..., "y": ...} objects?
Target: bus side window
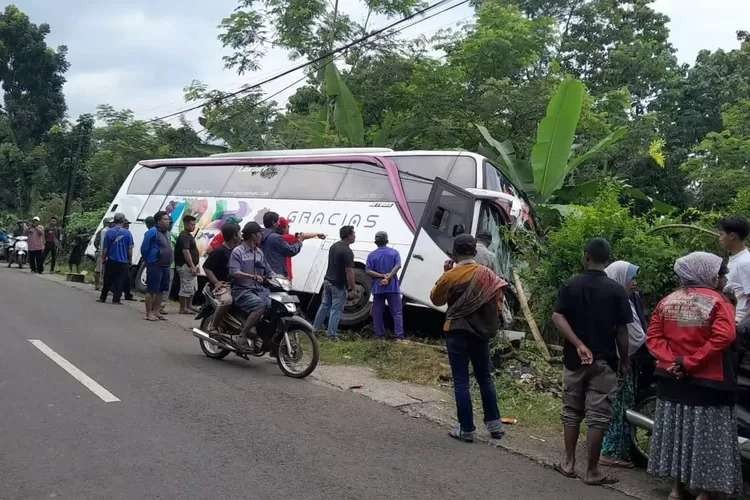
[
  {"x": 144, "y": 180},
  {"x": 311, "y": 182},
  {"x": 254, "y": 181},
  {"x": 203, "y": 180},
  {"x": 364, "y": 182},
  {"x": 418, "y": 173},
  {"x": 491, "y": 178}
]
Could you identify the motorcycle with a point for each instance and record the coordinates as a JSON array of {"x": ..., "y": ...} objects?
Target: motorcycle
[
  {"x": 641, "y": 416},
  {"x": 282, "y": 332},
  {"x": 18, "y": 252}
]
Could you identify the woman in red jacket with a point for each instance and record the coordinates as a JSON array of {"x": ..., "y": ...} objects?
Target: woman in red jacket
[{"x": 691, "y": 335}]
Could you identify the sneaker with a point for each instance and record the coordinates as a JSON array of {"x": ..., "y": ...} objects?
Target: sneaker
[
  {"x": 457, "y": 433},
  {"x": 495, "y": 428}
]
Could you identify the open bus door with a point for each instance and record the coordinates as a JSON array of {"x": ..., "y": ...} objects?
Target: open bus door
[{"x": 450, "y": 211}]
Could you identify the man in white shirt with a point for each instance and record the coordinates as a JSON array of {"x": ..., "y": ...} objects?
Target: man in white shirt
[{"x": 732, "y": 234}]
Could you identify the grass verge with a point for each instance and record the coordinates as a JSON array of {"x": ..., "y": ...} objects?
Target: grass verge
[{"x": 426, "y": 364}]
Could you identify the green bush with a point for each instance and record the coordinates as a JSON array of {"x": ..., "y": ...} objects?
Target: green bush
[
  {"x": 84, "y": 222},
  {"x": 631, "y": 241}
]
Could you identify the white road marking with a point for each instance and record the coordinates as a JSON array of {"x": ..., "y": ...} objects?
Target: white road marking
[{"x": 77, "y": 374}]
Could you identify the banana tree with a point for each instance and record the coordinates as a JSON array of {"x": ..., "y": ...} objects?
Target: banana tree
[
  {"x": 551, "y": 157},
  {"x": 346, "y": 115}
]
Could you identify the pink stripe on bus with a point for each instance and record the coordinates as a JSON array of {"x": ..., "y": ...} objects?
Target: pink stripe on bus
[{"x": 385, "y": 162}]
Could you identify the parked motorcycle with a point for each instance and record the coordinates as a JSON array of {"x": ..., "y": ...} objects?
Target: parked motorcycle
[
  {"x": 282, "y": 332},
  {"x": 641, "y": 417},
  {"x": 18, "y": 252}
]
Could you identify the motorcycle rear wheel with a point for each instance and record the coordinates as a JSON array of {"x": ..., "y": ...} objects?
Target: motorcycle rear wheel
[
  {"x": 304, "y": 355},
  {"x": 208, "y": 348}
]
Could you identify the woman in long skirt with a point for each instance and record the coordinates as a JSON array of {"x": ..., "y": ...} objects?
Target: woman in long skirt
[
  {"x": 691, "y": 335},
  {"x": 616, "y": 447}
]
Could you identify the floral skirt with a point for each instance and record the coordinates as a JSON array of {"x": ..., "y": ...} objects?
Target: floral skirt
[
  {"x": 696, "y": 445},
  {"x": 617, "y": 442}
]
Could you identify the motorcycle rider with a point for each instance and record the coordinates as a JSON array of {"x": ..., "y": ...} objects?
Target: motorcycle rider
[{"x": 248, "y": 269}]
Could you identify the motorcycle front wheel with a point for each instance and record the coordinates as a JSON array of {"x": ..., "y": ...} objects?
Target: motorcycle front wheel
[
  {"x": 298, "y": 353},
  {"x": 640, "y": 437},
  {"x": 210, "y": 350}
]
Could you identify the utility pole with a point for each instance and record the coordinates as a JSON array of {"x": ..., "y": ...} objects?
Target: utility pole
[{"x": 71, "y": 168}]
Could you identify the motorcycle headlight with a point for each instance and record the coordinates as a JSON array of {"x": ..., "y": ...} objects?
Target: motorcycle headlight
[{"x": 291, "y": 307}]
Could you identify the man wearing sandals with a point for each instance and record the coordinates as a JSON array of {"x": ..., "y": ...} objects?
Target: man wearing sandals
[{"x": 592, "y": 313}]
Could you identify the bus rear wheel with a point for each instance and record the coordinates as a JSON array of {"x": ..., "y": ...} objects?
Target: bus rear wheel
[{"x": 357, "y": 310}]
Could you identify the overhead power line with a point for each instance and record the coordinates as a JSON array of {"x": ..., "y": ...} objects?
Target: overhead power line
[{"x": 316, "y": 60}]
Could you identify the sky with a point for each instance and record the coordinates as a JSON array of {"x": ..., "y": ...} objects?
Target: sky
[{"x": 140, "y": 54}]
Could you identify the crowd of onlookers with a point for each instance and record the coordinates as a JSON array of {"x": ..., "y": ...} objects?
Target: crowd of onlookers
[
  {"x": 692, "y": 346},
  {"x": 44, "y": 243},
  {"x": 238, "y": 262},
  {"x": 690, "y": 343}
]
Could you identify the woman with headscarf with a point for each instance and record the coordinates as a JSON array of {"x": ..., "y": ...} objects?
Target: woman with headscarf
[
  {"x": 691, "y": 335},
  {"x": 616, "y": 444}
]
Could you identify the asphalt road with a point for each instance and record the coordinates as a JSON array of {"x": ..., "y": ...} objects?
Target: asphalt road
[{"x": 186, "y": 426}]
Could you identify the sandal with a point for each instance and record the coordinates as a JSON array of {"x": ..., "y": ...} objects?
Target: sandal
[
  {"x": 569, "y": 474},
  {"x": 602, "y": 481},
  {"x": 613, "y": 462}
]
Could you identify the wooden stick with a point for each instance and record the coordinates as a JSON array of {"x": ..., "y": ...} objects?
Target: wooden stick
[{"x": 529, "y": 317}]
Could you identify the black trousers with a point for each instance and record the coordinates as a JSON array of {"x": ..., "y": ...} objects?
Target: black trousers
[
  {"x": 51, "y": 250},
  {"x": 36, "y": 262},
  {"x": 115, "y": 276},
  {"x": 126, "y": 286}
]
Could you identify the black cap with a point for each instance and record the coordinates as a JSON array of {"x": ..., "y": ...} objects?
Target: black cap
[
  {"x": 250, "y": 229},
  {"x": 465, "y": 244}
]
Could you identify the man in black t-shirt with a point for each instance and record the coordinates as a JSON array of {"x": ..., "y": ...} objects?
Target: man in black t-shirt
[
  {"x": 591, "y": 313},
  {"x": 186, "y": 264},
  {"x": 338, "y": 284},
  {"x": 216, "y": 268}
]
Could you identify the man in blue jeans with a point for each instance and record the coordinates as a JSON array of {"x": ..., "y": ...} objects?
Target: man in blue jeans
[
  {"x": 338, "y": 284},
  {"x": 474, "y": 295}
]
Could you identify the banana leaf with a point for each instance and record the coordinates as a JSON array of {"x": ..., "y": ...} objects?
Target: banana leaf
[
  {"x": 346, "y": 115},
  {"x": 518, "y": 171},
  {"x": 611, "y": 139},
  {"x": 555, "y": 135}
]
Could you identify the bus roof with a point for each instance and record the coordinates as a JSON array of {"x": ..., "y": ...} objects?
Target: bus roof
[
  {"x": 300, "y": 152},
  {"x": 254, "y": 156}
]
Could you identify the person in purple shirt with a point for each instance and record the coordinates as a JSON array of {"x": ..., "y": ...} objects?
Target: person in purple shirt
[{"x": 382, "y": 265}]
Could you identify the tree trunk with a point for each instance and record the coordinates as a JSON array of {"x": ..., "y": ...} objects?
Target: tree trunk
[{"x": 529, "y": 317}]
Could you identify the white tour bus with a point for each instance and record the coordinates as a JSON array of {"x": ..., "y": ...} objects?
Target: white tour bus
[{"x": 423, "y": 199}]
